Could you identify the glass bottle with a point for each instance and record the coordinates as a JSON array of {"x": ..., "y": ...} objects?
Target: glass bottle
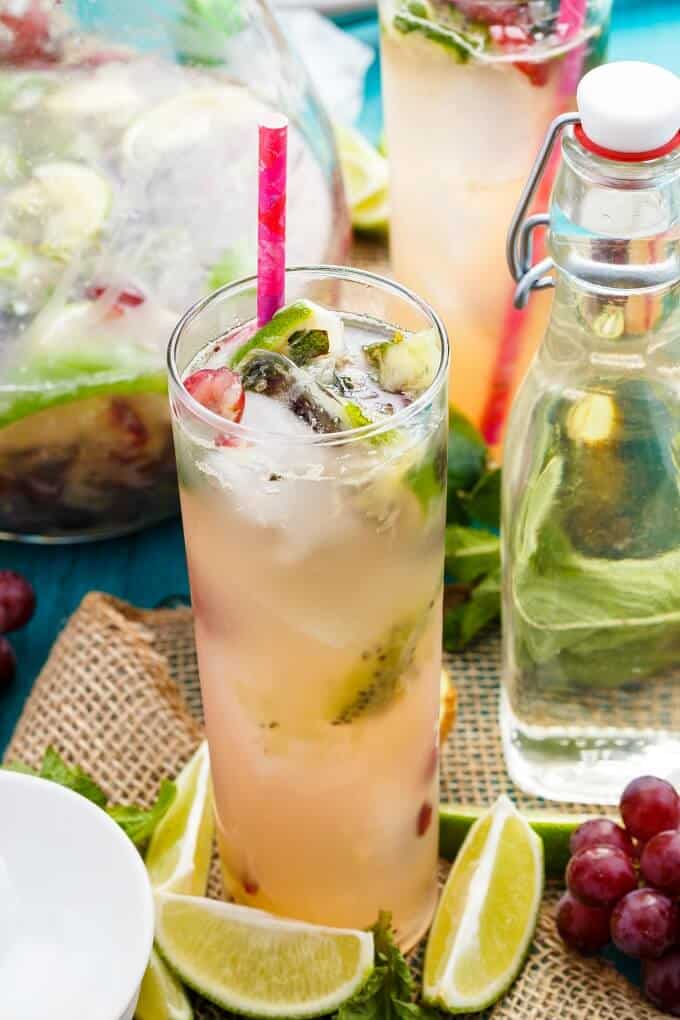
[
  {"x": 128, "y": 177},
  {"x": 591, "y": 500}
]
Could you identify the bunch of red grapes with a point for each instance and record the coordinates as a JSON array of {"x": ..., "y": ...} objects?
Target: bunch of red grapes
[
  {"x": 623, "y": 886},
  {"x": 17, "y": 605}
]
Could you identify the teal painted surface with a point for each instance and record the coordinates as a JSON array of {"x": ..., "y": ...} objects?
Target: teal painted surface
[{"x": 148, "y": 567}]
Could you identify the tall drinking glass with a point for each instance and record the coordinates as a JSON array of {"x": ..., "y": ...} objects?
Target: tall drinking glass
[
  {"x": 470, "y": 88},
  {"x": 316, "y": 578}
]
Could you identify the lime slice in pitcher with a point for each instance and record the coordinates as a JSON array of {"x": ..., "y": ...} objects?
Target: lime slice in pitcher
[
  {"x": 178, "y": 858},
  {"x": 257, "y": 965}
]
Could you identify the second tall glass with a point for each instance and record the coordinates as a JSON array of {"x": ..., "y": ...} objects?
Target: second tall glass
[
  {"x": 316, "y": 575},
  {"x": 470, "y": 88}
]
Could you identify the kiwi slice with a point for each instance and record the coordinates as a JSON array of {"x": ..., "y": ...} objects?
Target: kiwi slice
[{"x": 379, "y": 676}]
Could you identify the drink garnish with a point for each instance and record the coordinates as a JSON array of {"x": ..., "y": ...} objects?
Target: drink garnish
[{"x": 407, "y": 363}]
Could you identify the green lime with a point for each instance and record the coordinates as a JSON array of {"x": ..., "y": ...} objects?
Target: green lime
[
  {"x": 455, "y": 821},
  {"x": 218, "y": 949},
  {"x": 365, "y": 173},
  {"x": 487, "y": 913},
  {"x": 162, "y": 997},
  {"x": 178, "y": 858}
]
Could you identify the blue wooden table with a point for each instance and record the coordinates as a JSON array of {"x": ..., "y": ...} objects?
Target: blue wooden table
[{"x": 148, "y": 567}]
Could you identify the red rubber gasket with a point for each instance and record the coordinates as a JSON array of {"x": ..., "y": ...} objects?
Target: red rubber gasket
[{"x": 625, "y": 157}]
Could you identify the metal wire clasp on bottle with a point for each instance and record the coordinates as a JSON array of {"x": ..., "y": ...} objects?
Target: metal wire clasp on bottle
[{"x": 519, "y": 249}]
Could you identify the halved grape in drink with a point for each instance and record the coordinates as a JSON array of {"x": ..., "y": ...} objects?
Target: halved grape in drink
[
  {"x": 644, "y": 924},
  {"x": 219, "y": 390},
  {"x": 8, "y": 663},
  {"x": 600, "y": 876},
  {"x": 649, "y": 805},
  {"x": 582, "y": 927}
]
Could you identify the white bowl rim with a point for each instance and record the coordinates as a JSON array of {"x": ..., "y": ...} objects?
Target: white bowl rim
[{"x": 145, "y": 920}]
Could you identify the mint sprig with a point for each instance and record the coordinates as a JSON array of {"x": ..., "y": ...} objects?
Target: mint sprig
[
  {"x": 136, "y": 822},
  {"x": 389, "y": 992}
]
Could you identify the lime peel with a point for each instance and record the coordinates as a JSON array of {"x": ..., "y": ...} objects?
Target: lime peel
[{"x": 456, "y": 820}]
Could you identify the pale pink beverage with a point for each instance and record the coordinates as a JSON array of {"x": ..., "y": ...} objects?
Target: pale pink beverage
[{"x": 314, "y": 529}]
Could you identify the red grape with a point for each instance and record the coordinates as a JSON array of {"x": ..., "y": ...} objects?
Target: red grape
[
  {"x": 660, "y": 862},
  {"x": 661, "y": 982},
  {"x": 8, "y": 663},
  {"x": 601, "y": 832},
  {"x": 218, "y": 389},
  {"x": 644, "y": 924},
  {"x": 582, "y": 927},
  {"x": 649, "y": 805},
  {"x": 600, "y": 876},
  {"x": 17, "y": 601}
]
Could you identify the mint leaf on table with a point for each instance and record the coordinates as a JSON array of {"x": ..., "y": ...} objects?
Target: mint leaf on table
[
  {"x": 138, "y": 822},
  {"x": 388, "y": 993},
  {"x": 56, "y": 770}
]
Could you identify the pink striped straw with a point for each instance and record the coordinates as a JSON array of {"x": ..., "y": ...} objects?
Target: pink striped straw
[
  {"x": 572, "y": 15},
  {"x": 271, "y": 217}
]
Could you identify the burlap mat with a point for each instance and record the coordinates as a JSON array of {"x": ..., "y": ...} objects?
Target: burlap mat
[{"x": 119, "y": 696}]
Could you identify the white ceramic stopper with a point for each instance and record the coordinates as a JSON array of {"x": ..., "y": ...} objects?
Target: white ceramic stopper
[{"x": 630, "y": 106}]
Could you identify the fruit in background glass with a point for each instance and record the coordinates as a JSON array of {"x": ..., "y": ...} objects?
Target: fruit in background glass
[
  {"x": 495, "y": 74},
  {"x": 17, "y": 601},
  {"x": 644, "y": 924},
  {"x": 601, "y": 832},
  {"x": 8, "y": 663},
  {"x": 128, "y": 187},
  {"x": 600, "y": 876},
  {"x": 660, "y": 862},
  {"x": 661, "y": 982},
  {"x": 582, "y": 927},
  {"x": 649, "y": 805}
]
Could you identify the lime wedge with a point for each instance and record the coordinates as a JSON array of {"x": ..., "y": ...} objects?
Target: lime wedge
[
  {"x": 178, "y": 858},
  {"x": 71, "y": 200},
  {"x": 251, "y": 963},
  {"x": 294, "y": 320},
  {"x": 554, "y": 830},
  {"x": 372, "y": 216},
  {"x": 487, "y": 913},
  {"x": 186, "y": 120},
  {"x": 365, "y": 174},
  {"x": 162, "y": 997}
]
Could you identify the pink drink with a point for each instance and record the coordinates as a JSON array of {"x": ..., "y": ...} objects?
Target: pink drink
[{"x": 316, "y": 574}]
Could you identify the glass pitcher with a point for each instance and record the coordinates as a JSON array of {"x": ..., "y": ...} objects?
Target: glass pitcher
[
  {"x": 591, "y": 500},
  {"x": 128, "y": 175}
]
